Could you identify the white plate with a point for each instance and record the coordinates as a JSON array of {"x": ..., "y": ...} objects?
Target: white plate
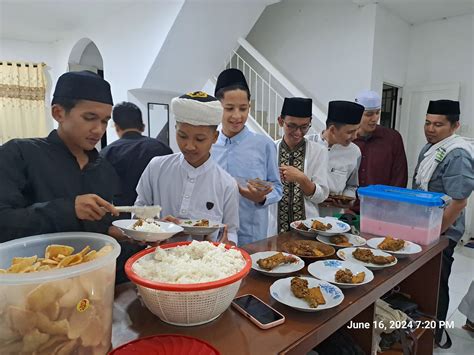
[
  {"x": 281, "y": 291},
  {"x": 168, "y": 230},
  {"x": 311, "y": 233},
  {"x": 357, "y": 241},
  {"x": 188, "y": 227},
  {"x": 326, "y": 270},
  {"x": 346, "y": 254},
  {"x": 408, "y": 249},
  {"x": 338, "y": 226},
  {"x": 280, "y": 270}
]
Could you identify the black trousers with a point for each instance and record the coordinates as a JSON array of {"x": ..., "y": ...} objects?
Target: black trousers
[{"x": 443, "y": 295}]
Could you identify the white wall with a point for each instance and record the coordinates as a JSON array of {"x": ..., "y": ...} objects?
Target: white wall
[
  {"x": 443, "y": 52},
  {"x": 323, "y": 47},
  {"x": 391, "y": 46}
]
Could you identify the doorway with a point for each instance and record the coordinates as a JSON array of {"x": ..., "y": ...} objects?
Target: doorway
[{"x": 388, "y": 113}]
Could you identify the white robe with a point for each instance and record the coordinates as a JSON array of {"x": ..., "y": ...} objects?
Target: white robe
[
  {"x": 183, "y": 191},
  {"x": 315, "y": 168},
  {"x": 343, "y": 170}
]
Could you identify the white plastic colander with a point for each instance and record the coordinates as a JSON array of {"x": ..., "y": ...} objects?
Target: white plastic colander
[{"x": 187, "y": 304}]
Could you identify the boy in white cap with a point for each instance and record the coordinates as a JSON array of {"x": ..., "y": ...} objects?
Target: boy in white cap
[
  {"x": 190, "y": 185},
  {"x": 383, "y": 158}
]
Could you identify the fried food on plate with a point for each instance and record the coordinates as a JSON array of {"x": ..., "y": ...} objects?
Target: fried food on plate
[
  {"x": 382, "y": 260},
  {"x": 366, "y": 256},
  {"x": 304, "y": 248},
  {"x": 391, "y": 244},
  {"x": 340, "y": 240},
  {"x": 275, "y": 260},
  {"x": 346, "y": 276},
  {"x": 313, "y": 296},
  {"x": 299, "y": 287},
  {"x": 201, "y": 223},
  {"x": 320, "y": 226}
]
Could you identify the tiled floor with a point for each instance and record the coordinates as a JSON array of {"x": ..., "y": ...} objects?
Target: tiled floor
[{"x": 461, "y": 277}]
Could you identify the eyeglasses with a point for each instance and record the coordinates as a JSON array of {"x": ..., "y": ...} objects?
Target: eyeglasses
[{"x": 293, "y": 127}]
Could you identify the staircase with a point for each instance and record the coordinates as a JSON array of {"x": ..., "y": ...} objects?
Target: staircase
[{"x": 268, "y": 88}]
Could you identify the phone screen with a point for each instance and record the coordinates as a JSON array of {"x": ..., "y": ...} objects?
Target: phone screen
[{"x": 257, "y": 309}]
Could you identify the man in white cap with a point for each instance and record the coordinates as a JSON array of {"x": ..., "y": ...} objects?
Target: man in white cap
[
  {"x": 383, "y": 158},
  {"x": 190, "y": 185}
]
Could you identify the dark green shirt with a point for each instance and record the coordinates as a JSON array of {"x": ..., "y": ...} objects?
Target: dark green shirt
[{"x": 39, "y": 181}]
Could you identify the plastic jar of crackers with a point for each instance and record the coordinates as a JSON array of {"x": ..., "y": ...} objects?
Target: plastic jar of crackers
[{"x": 57, "y": 293}]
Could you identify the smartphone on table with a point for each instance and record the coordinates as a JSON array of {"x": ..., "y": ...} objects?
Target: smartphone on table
[{"x": 259, "y": 313}]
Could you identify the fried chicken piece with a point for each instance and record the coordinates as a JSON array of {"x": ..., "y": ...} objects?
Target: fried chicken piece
[
  {"x": 391, "y": 244},
  {"x": 382, "y": 260},
  {"x": 343, "y": 276},
  {"x": 276, "y": 259},
  {"x": 340, "y": 240},
  {"x": 299, "y": 287},
  {"x": 305, "y": 248},
  {"x": 358, "y": 278},
  {"x": 320, "y": 226},
  {"x": 201, "y": 223},
  {"x": 346, "y": 276},
  {"x": 364, "y": 255},
  {"x": 302, "y": 226},
  {"x": 315, "y": 297}
]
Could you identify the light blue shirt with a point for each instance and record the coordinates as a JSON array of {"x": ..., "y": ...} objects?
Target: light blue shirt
[{"x": 249, "y": 155}]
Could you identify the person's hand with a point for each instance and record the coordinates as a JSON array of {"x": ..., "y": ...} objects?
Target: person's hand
[
  {"x": 91, "y": 207},
  {"x": 291, "y": 174},
  {"x": 225, "y": 236},
  {"x": 117, "y": 233},
  {"x": 253, "y": 194}
]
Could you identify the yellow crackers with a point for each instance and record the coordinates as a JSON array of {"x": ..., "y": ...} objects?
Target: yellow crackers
[{"x": 56, "y": 256}]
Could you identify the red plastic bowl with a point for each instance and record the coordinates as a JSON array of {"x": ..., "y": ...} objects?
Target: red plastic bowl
[
  {"x": 167, "y": 344},
  {"x": 185, "y": 287}
]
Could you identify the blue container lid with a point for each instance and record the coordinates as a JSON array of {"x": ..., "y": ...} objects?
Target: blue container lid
[{"x": 400, "y": 194}]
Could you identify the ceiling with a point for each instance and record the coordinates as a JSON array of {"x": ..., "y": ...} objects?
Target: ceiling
[
  {"x": 51, "y": 20},
  {"x": 420, "y": 11}
]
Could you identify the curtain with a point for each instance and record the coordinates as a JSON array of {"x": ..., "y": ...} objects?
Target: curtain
[{"x": 22, "y": 101}]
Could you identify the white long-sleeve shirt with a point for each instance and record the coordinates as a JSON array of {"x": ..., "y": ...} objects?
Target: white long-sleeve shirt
[
  {"x": 343, "y": 171},
  {"x": 343, "y": 167},
  {"x": 315, "y": 168},
  {"x": 186, "y": 192}
]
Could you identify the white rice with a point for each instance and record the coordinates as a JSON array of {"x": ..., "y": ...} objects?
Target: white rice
[
  {"x": 147, "y": 226},
  {"x": 194, "y": 263}
]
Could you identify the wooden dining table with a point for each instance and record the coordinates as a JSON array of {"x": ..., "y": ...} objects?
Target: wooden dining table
[{"x": 231, "y": 333}]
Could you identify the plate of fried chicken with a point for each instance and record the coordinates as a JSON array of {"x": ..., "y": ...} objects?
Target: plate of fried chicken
[
  {"x": 306, "y": 293},
  {"x": 344, "y": 240},
  {"x": 275, "y": 263},
  {"x": 341, "y": 273},
  {"x": 370, "y": 258},
  {"x": 398, "y": 247},
  {"x": 199, "y": 226}
]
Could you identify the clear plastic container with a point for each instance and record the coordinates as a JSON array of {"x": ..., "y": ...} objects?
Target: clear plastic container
[
  {"x": 412, "y": 215},
  {"x": 62, "y": 311}
]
